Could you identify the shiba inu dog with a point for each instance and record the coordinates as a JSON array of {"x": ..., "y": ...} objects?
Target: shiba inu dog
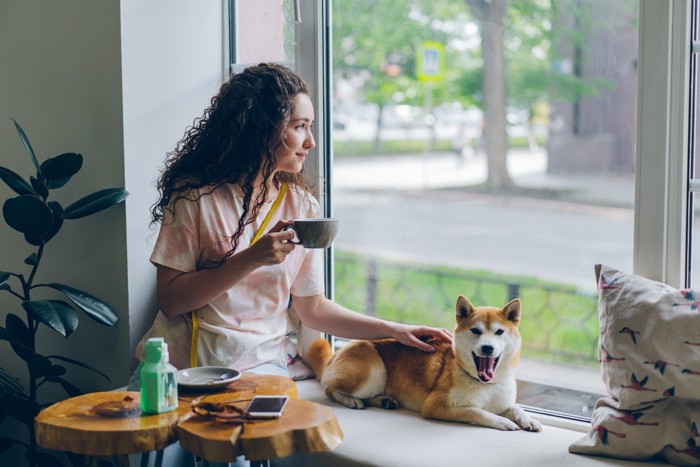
[{"x": 470, "y": 381}]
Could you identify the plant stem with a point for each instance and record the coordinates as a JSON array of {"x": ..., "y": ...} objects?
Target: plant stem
[
  {"x": 39, "y": 254},
  {"x": 33, "y": 386}
]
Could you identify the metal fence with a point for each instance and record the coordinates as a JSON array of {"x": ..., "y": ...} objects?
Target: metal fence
[{"x": 559, "y": 322}]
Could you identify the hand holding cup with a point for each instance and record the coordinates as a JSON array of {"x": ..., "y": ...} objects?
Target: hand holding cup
[{"x": 314, "y": 233}]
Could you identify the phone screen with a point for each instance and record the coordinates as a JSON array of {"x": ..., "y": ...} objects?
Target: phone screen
[{"x": 267, "y": 406}]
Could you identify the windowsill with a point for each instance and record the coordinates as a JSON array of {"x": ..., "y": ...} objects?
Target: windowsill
[
  {"x": 401, "y": 437},
  {"x": 560, "y": 422},
  {"x": 559, "y": 391}
]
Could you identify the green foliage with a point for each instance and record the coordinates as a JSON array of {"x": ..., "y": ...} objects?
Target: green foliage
[
  {"x": 398, "y": 147},
  {"x": 39, "y": 220},
  {"x": 560, "y": 324},
  {"x": 376, "y": 43}
]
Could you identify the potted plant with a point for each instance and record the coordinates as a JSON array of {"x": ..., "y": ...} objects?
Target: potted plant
[{"x": 32, "y": 214}]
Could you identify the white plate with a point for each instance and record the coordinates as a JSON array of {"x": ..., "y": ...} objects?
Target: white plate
[{"x": 205, "y": 377}]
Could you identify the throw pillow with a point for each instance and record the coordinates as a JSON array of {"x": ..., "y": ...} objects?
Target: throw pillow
[{"x": 650, "y": 362}]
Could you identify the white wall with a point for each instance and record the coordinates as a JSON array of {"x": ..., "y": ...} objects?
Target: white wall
[
  {"x": 117, "y": 81},
  {"x": 172, "y": 60}
]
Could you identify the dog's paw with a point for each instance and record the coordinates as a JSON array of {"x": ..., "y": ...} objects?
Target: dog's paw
[
  {"x": 519, "y": 416},
  {"x": 348, "y": 401},
  {"x": 504, "y": 424},
  {"x": 385, "y": 402},
  {"x": 529, "y": 424}
]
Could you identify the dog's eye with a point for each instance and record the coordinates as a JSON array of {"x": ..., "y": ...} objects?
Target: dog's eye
[
  {"x": 499, "y": 332},
  {"x": 476, "y": 331}
]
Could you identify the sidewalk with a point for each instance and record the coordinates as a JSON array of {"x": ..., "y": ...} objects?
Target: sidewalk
[{"x": 446, "y": 170}]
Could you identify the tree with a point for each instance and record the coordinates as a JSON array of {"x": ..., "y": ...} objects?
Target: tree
[
  {"x": 375, "y": 46},
  {"x": 491, "y": 17}
]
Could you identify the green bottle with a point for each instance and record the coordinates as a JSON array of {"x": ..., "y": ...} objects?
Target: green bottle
[{"x": 158, "y": 378}]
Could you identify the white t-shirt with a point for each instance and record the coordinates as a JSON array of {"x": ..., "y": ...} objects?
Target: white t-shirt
[{"x": 246, "y": 326}]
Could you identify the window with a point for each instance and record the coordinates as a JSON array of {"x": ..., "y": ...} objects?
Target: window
[
  {"x": 455, "y": 172},
  {"x": 568, "y": 181},
  {"x": 262, "y": 31},
  {"x": 442, "y": 191}
]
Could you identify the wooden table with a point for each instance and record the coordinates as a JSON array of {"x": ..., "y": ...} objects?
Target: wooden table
[{"x": 109, "y": 424}]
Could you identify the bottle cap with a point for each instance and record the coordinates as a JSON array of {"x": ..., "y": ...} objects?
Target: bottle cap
[
  {"x": 154, "y": 349},
  {"x": 164, "y": 355}
]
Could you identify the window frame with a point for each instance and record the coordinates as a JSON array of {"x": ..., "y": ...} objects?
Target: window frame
[{"x": 661, "y": 226}]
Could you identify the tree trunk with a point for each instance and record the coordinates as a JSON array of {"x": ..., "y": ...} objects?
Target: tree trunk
[
  {"x": 491, "y": 18},
  {"x": 378, "y": 134}
]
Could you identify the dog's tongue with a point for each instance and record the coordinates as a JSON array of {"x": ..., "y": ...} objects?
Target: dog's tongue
[{"x": 486, "y": 365}]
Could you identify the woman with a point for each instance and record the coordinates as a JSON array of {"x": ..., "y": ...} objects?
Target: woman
[{"x": 216, "y": 190}]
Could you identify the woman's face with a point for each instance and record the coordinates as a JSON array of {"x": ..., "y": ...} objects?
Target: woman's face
[{"x": 297, "y": 139}]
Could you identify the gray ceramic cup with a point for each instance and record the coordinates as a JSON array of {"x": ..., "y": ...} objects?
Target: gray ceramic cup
[{"x": 314, "y": 233}]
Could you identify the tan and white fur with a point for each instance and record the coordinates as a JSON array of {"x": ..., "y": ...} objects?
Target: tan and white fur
[{"x": 470, "y": 381}]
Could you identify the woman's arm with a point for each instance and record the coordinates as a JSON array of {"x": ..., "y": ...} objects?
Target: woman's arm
[
  {"x": 181, "y": 292},
  {"x": 322, "y": 314}
]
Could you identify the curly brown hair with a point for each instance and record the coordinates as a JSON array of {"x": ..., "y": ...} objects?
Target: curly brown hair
[{"x": 235, "y": 139}]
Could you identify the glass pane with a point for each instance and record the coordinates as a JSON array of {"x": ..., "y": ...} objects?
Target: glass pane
[
  {"x": 265, "y": 31},
  {"x": 489, "y": 155}
]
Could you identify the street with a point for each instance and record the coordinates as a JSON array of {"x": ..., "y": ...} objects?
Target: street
[{"x": 416, "y": 209}]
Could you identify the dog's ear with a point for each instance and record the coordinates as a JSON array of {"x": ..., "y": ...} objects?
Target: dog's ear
[
  {"x": 512, "y": 311},
  {"x": 464, "y": 308}
]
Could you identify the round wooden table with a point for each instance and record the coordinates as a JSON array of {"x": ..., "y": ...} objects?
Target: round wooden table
[{"x": 109, "y": 424}]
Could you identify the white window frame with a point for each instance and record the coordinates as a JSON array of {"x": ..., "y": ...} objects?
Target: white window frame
[{"x": 663, "y": 112}]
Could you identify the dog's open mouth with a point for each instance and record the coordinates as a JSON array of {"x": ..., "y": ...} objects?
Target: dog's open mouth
[{"x": 486, "y": 366}]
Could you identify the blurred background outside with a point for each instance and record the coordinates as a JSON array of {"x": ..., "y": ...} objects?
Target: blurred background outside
[{"x": 486, "y": 149}]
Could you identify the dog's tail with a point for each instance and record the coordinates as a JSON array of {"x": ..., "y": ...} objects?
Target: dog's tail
[{"x": 318, "y": 356}]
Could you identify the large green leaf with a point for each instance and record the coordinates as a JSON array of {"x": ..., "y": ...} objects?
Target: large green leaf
[
  {"x": 22, "y": 338},
  {"x": 27, "y": 214},
  {"x": 25, "y": 142},
  {"x": 36, "y": 239},
  {"x": 61, "y": 167},
  {"x": 95, "y": 202},
  {"x": 15, "y": 182},
  {"x": 39, "y": 366},
  {"x": 80, "y": 364},
  {"x": 53, "y": 184},
  {"x": 91, "y": 305},
  {"x": 15, "y": 342},
  {"x": 13, "y": 384},
  {"x": 56, "y": 314},
  {"x": 39, "y": 187}
]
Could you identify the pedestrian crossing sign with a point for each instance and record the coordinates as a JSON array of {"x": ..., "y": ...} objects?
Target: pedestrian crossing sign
[{"x": 430, "y": 62}]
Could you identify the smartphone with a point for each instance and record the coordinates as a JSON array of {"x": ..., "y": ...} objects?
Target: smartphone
[{"x": 267, "y": 406}]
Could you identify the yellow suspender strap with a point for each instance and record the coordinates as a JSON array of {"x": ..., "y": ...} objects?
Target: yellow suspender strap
[{"x": 258, "y": 234}]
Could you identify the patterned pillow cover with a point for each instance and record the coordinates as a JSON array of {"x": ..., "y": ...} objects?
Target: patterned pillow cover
[{"x": 650, "y": 363}]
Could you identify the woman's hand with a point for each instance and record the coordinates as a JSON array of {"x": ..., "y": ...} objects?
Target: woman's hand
[
  {"x": 416, "y": 336},
  {"x": 322, "y": 314},
  {"x": 273, "y": 247},
  {"x": 180, "y": 292}
]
